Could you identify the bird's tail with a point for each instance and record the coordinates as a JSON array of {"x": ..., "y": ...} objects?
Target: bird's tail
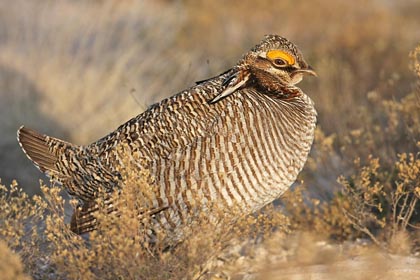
[
  {"x": 51, "y": 156},
  {"x": 44, "y": 151}
]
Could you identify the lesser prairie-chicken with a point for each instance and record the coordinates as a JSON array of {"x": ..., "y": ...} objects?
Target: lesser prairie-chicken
[{"x": 236, "y": 140}]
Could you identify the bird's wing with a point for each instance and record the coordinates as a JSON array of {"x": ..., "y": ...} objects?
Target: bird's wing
[{"x": 165, "y": 134}]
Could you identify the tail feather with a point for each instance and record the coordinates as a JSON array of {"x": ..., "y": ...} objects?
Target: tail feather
[
  {"x": 47, "y": 154},
  {"x": 83, "y": 219},
  {"x": 42, "y": 150}
]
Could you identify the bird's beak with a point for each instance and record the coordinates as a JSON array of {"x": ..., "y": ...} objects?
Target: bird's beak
[{"x": 309, "y": 70}]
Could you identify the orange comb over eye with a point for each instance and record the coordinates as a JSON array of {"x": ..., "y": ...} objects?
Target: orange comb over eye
[{"x": 275, "y": 54}]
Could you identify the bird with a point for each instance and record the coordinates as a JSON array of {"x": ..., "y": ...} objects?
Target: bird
[{"x": 238, "y": 139}]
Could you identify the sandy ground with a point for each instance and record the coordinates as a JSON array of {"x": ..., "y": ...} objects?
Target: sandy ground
[
  {"x": 315, "y": 261},
  {"x": 363, "y": 267}
]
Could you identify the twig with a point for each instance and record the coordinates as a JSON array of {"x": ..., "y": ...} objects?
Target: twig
[
  {"x": 357, "y": 226},
  {"x": 410, "y": 211}
]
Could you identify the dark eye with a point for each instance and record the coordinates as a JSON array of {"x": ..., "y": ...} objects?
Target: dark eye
[{"x": 279, "y": 62}]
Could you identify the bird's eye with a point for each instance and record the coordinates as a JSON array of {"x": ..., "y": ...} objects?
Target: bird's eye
[{"x": 279, "y": 62}]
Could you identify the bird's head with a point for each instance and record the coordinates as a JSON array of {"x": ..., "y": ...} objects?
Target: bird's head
[
  {"x": 275, "y": 66},
  {"x": 276, "y": 60}
]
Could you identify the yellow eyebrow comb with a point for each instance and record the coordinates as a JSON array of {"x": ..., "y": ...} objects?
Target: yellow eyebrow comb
[{"x": 274, "y": 54}]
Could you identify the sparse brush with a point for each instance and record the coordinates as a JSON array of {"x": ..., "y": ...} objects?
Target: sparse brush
[
  {"x": 10, "y": 264},
  {"x": 121, "y": 246}
]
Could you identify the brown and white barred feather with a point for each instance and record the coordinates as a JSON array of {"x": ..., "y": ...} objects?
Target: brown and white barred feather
[{"x": 244, "y": 150}]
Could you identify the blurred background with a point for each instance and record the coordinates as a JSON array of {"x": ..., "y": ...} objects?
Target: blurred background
[{"x": 78, "y": 69}]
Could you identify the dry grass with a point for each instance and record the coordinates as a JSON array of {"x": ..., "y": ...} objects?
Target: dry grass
[
  {"x": 120, "y": 247},
  {"x": 10, "y": 265},
  {"x": 77, "y": 69}
]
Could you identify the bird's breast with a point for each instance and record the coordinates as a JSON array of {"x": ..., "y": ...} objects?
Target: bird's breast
[{"x": 250, "y": 154}]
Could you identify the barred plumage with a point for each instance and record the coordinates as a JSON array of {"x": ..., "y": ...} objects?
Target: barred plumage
[{"x": 240, "y": 139}]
